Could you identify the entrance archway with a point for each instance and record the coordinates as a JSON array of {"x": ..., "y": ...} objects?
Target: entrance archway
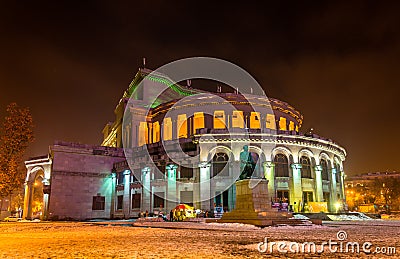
[{"x": 37, "y": 188}]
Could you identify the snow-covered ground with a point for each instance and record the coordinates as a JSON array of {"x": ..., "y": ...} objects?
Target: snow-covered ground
[{"x": 182, "y": 239}]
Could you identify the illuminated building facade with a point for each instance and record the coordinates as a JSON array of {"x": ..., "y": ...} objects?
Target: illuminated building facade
[{"x": 300, "y": 167}]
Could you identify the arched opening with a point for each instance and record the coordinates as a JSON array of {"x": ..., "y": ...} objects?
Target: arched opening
[
  {"x": 220, "y": 164},
  {"x": 34, "y": 194},
  {"x": 37, "y": 196}
]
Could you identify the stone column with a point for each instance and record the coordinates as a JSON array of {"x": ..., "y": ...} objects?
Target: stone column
[
  {"x": 318, "y": 183},
  {"x": 146, "y": 193},
  {"x": 297, "y": 190},
  {"x": 343, "y": 196},
  {"x": 171, "y": 197},
  {"x": 127, "y": 193},
  {"x": 205, "y": 186},
  {"x": 113, "y": 190},
  {"x": 28, "y": 200},
  {"x": 196, "y": 187},
  {"x": 333, "y": 199},
  {"x": 269, "y": 174},
  {"x": 46, "y": 194}
]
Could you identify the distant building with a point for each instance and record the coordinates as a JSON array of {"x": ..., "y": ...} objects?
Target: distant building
[
  {"x": 84, "y": 181},
  {"x": 373, "y": 192}
]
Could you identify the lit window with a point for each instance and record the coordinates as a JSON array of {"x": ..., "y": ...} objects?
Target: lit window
[
  {"x": 156, "y": 132},
  {"x": 167, "y": 130},
  {"x": 291, "y": 125},
  {"x": 282, "y": 123},
  {"x": 255, "y": 120},
  {"x": 219, "y": 119},
  {"x": 182, "y": 126},
  {"x": 270, "y": 121},
  {"x": 143, "y": 137},
  {"x": 198, "y": 121},
  {"x": 237, "y": 119}
]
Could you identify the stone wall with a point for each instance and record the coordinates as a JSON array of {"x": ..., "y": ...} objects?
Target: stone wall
[{"x": 80, "y": 172}]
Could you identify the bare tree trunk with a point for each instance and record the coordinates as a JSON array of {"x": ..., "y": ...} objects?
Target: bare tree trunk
[{"x": 9, "y": 202}]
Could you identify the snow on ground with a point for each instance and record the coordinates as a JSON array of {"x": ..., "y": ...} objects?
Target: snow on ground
[
  {"x": 181, "y": 239},
  {"x": 299, "y": 216},
  {"x": 341, "y": 217}
]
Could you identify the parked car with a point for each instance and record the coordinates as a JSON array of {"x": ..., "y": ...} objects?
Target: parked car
[{"x": 12, "y": 219}]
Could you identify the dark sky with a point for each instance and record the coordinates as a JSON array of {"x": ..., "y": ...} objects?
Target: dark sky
[{"x": 338, "y": 63}]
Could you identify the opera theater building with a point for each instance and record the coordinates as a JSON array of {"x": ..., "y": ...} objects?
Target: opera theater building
[{"x": 189, "y": 146}]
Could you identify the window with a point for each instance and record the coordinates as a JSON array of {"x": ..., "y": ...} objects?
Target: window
[
  {"x": 220, "y": 165},
  {"x": 186, "y": 172},
  {"x": 198, "y": 121},
  {"x": 136, "y": 200},
  {"x": 167, "y": 130},
  {"x": 158, "y": 198},
  {"x": 325, "y": 172},
  {"x": 337, "y": 167},
  {"x": 237, "y": 119},
  {"x": 182, "y": 126},
  {"x": 305, "y": 167},
  {"x": 270, "y": 121},
  {"x": 291, "y": 125},
  {"x": 219, "y": 120},
  {"x": 307, "y": 197},
  {"x": 98, "y": 202},
  {"x": 120, "y": 201},
  {"x": 281, "y": 166},
  {"x": 255, "y": 120},
  {"x": 282, "y": 196},
  {"x": 120, "y": 177},
  {"x": 156, "y": 132},
  {"x": 143, "y": 137},
  {"x": 282, "y": 123}
]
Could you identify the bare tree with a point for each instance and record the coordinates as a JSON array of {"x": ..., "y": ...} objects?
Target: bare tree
[{"x": 16, "y": 135}]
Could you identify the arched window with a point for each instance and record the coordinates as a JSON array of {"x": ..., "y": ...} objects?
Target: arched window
[
  {"x": 281, "y": 166},
  {"x": 305, "y": 167},
  {"x": 325, "y": 170},
  {"x": 220, "y": 165}
]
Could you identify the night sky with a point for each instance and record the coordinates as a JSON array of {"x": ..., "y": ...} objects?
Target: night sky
[{"x": 337, "y": 63}]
